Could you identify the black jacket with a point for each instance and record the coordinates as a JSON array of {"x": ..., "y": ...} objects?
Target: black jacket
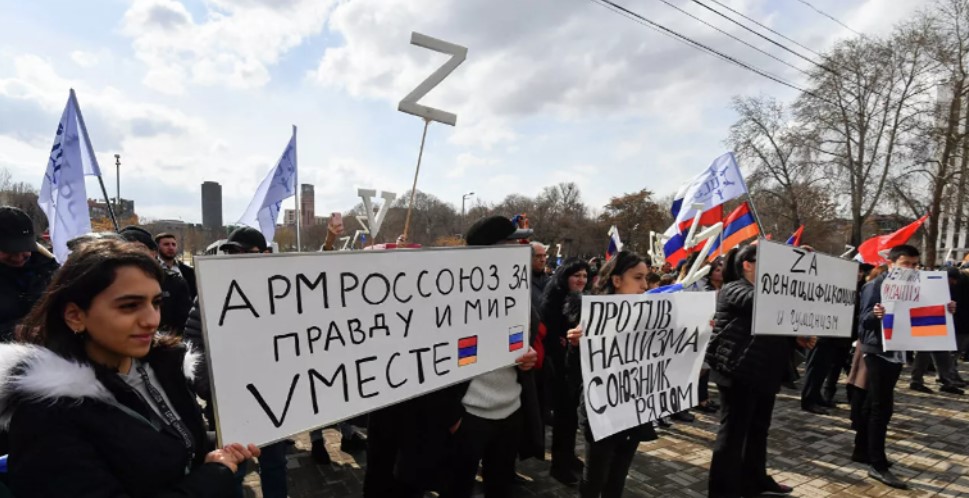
[
  {"x": 870, "y": 326},
  {"x": 189, "y": 274},
  {"x": 21, "y": 288},
  {"x": 80, "y": 431},
  {"x": 194, "y": 336},
  {"x": 176, "y": 302},
  {"x": 737, "y": 356},
  {"x": 960, "y": 294}
]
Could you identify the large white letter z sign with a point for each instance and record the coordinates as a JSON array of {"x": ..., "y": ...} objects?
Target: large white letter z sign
[{"x": 409, "y": 103}]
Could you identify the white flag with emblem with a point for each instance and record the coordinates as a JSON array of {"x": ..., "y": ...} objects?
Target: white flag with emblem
[
  {"x": 719, "y": 183},
  {"x": 278, "y": 185},
  {"x": 63, "y": 197}
]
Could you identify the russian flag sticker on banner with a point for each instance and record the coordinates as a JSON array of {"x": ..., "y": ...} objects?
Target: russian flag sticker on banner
[
  {"x": 516, "y": 338},
  {"x": 928, "y": 321},
  {"x": 467, "y": 350},
  {"x": 888, "y": 322}
]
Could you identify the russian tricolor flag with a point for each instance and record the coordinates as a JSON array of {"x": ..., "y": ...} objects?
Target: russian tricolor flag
[
  {"x": 516, "y": 338},
  {"x": 795, "y": 238},
  {"x": 615, "y": 243},
  {"x": 739, "y": 226},
  {"x": 675, "y": 250}
]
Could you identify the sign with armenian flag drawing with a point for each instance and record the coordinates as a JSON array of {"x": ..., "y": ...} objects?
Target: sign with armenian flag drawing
[{"x": 916, "y": 318}]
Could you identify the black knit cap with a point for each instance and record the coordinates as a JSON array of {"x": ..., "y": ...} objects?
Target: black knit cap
[
  {"x": 133, "y": 233},
  {"x": 494, "y": 229},
  {"x": 245, "y": 238},
  {"x": 16, "y": 230}
]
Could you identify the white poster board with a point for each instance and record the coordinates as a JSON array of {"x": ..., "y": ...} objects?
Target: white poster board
[
  {"x": 916, "y": 318},
  {"x": 298, "y": 341},
  {"x": 803, "y": 293},
  {"x": 641, "y": 356}
]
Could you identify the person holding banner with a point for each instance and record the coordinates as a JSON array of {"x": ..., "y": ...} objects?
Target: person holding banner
[
  {"x": 96, "y": 401},
  {"x": 569, "y": 281},
  {"x": 748, "y": 371},
  {"x": 872, "y": 407},
  {"x": 272, "y": 464},
  {"x": 495, "y": 417},
  {"x": 607, "y": 460}
]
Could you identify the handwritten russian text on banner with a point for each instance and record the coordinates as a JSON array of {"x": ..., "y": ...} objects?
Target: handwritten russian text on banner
[
  {"x": 298, "y": 341},
  {"x": 916, "y": 318},
  {"x": 803, "y": 293},
  {"x": 641, "y": 356}
]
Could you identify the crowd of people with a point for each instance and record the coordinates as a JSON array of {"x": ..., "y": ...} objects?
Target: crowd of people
[{"x": 104, "y": 389}]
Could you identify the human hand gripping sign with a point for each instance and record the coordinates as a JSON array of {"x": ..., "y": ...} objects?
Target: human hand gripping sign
[
  {"x": 573, "y": 335},
  {"x": 527, "y": 361},
  {"x": 232, "y": 455}
]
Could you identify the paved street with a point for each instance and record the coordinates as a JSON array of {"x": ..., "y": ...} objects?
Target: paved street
[{"x": 929, "y": 442}]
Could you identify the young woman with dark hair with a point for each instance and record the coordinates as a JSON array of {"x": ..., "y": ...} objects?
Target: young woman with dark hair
[
  {"x": 607, "y": 460},
  {"x": 96, "y": 402},
  {"x": 569, "y": 281},
  {"x": 747, "y": 370}
]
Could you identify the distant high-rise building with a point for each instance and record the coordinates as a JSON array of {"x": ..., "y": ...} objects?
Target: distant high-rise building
[
  {"x": 307, "y": 205},
  {"x": 212, "y": 205}
]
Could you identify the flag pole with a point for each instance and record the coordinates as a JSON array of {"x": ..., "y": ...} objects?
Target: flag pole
[
  {"x": 87, "y": 142},
  {"x": 413, "y": 190},
  {"x": 753, "y": 209},
  {"x": 299, "y": 214}
]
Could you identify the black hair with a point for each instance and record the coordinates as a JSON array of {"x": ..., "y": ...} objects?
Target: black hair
[
  {"x": 733, "y": 264},
  {"x": 619, "y": 264},
  {"x": 558, "y": 287},
  {"x": 902, "y": 250},
  {"x": 89, "y": 270}
]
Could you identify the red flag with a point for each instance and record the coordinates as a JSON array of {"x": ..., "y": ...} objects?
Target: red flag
[{"x": 869, "y": 250}]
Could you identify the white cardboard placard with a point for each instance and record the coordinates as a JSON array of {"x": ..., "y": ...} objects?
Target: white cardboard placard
[
  {"x": 915, "y": 315},
  {"x": 641, "y": 356},
  {"x": 803, "y": 293},
  {"x": 298, "y": 341}
]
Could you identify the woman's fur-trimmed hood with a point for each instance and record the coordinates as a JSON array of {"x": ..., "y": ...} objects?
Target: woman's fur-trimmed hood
[{"x": 30, "y": 373}]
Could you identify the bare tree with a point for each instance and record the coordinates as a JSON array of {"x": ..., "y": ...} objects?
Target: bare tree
[
  {"x": 856, "y": 116},
  {"x": 766, "y": 137}
]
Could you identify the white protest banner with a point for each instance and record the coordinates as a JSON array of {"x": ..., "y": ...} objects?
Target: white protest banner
[
  {"x": 804, "y": 293},
  {"x": 641, "y": 356},
  {"x": 916, "y": 318},
  {"x": 298, "y": 341}
]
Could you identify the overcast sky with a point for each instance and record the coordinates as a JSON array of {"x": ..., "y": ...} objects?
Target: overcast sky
[{"x": 552, "y": 90}]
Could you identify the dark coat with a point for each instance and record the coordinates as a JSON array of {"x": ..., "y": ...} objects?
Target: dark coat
[
  {"x": 21, "y": 288},
  {"x": 81, "y": 431},
  {"x": 960, "y": 294},
  {"x": 176, "y": 302},
  {"x": 737, "y": 356},
  {"x": 189, "y": 274},
  {"x": 870, "y": 326},
  {"x": 193, "y": 335}
]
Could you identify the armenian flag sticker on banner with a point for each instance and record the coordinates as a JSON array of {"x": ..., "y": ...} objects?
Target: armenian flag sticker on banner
[
  {"x": 928, "y": 321},
  {"x": 516, "y": 338},
  {"x": 467, "y": 351},
  {"x": 916, "y": 318}
]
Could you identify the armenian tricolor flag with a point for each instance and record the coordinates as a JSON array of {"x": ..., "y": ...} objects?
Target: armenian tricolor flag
[
  {"x": 795, "y": 238},
  {"x": 516, "y": 338},
  {"x": 928, "y": 321},
  {"x": 739, "y": 226},
  {"x": 467, "y": 350}
]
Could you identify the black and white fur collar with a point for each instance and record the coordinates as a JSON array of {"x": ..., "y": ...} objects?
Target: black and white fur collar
[{"x": 30, "y": 373}]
